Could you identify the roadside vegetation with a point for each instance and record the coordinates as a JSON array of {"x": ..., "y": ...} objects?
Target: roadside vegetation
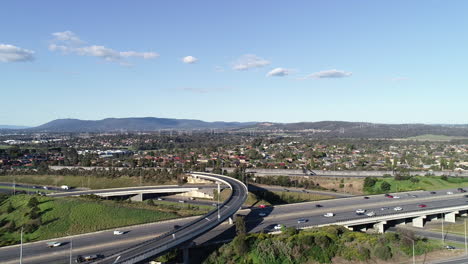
[
  {"x": 457, "y": 228},
  {"x": 373, "y": 185},
  {"x": 333, "y": 244},
  {"x": 44, "y": 217}
]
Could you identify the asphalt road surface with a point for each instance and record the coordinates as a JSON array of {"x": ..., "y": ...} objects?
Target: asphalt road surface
[{"x": 106, "y": 243}]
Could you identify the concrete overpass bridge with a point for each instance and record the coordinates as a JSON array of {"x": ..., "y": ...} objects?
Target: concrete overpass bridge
[{"x": 140, "y": 193}]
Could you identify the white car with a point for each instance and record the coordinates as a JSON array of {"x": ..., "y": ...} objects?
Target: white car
[
  {"x": 160, "y": 199},
  {"x": 449, "y": 192},
  {"x": 54, "y": 244},
  {"x": 360, "y": 211},
  {"x": 383, "y": 208},
  {"x": 181, "y": 201},
  {"x": 370, "y": 214},
  {"x": 118, "y": 232},
  {"x": 396, "y": 197},
  {"x": 277, "y": 227},
  {"x": 398, "y": 208},
  {"x": 329, "y": 215},
  {"x": 262, "y": 214}
]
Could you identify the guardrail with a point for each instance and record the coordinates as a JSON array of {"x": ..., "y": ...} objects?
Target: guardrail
[{"x": 176, "y": 237}]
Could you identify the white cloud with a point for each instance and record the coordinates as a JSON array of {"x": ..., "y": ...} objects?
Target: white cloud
[
  {"x": 10, "y": 53},
  {"x": 278, "y": 72},
  {"x": 68, "y": 42},
  {"x": 249, "y": 61},
  {"x": 67, "y": 36},
  {"x": 194, "y": 90},
  {"x": 328, "y": 74},
  {"x": 189, "y": 59}
]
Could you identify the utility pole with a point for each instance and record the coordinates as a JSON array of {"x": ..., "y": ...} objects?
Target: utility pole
[
  {"x": 414, "y": 259},
  {"x": 21, "y": 247},
  {"x": 14, "y": 185}
]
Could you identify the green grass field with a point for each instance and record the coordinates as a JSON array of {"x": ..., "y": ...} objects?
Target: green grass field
[
  {"x": 425, "y": 183},
  {"x": 431, "y": 137},
  {"x": 67, "y": 216},
  {"x": 31, "y": 190},
  {"x": 76, "y": 181},
  {"x": 457, "y": 228}
]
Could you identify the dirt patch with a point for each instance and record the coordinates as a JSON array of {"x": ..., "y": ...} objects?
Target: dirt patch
[{"x": 340, "y": 184}]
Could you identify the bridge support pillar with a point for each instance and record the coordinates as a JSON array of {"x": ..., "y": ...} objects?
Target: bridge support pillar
[
  {"x": 450, "y": 217},
  {"x": 419, "y": 221},
  {"x": 185, "y": 255},
  {"x": 230, "y": 221},
  {"x": 137, "y": 198},
  {"x": 380, "y": 226}
]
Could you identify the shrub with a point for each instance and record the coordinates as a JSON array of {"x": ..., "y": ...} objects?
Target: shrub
[
  {"x": 369, "y": 182},
  {"x": 33, "y": 202},
  {"x": 383, "y": 252},
  {"x": 385, "y": 186},
  {"x": 10, "y": 208}
]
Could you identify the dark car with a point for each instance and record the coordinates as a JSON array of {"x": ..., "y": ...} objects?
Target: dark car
[
  {"x": 318, "y": 205},
  {"x": 366, "y": 197},
  {"x": 81, "y": 259},
  {"x": 432, "y": 192}
]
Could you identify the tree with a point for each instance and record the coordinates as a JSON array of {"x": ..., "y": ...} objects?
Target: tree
[
  {"x": 240, "y": 225},
  {"x": 33, "y": 202},
  {"x": 369, "y": 182},
  {"x": 10, "y": 208},
  {"x": 385, "y": 186}
]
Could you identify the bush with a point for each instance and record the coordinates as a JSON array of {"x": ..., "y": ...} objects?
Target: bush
[
  {"x": 385, "y": 187},
  {"x": 33, "y": 202},
  {"x": 10, "y": 208},
  {"x": 444, "y": 177},
  {"x": 383, "y": 252},
  {"x": 369, "y": 182}
]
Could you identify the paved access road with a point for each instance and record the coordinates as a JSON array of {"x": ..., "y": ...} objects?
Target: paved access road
[{"x": 106, "y": 243}]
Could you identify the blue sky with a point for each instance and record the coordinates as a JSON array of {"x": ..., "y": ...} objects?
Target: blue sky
[{"x": 282, "y": 61}]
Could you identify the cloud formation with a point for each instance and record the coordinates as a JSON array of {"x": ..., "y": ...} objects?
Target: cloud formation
[
  {"x": 189, "y": 59},
  {"x": 193, "y": 90},
  {"x": 68, "y": 42},
  {"x": 279, "y": 72},
  {"x": 249, "y": 61},
  {"x": 10, "y": 53},
  {"x": 328, "y": 74}
]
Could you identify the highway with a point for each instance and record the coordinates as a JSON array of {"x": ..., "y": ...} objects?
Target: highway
[
  {"x": 186, "y": 232},
  {"x": 106, "y": 243}
]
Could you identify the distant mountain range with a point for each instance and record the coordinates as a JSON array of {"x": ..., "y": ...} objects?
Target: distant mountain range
[
  {"x": 325, "y": 129},
  {"x": 132, "y": 124},
  {"x": 12, "y": 127}
]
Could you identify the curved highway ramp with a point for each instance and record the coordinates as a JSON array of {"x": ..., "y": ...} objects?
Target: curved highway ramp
[{"x": 176, "y": 237}]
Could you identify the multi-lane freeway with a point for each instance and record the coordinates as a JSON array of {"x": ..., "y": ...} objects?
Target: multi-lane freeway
[{"x": 106, "y": 243}]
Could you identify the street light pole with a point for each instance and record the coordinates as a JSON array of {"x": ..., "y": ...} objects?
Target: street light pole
[
  {"x": 71, "y": 249},
  {"x": 466, "y": 246},
  {"x": 443, "y": 238},
  {"x": 21, "y": 247},
  {"x": 414, "y": 260},
  {"x": 217, "y": 205}
]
